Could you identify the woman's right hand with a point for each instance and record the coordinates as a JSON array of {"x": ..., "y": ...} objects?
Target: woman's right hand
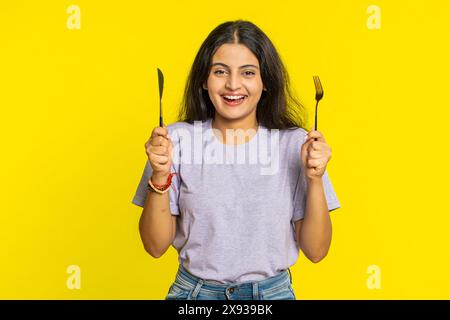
[{"x": 159, "y": 151}]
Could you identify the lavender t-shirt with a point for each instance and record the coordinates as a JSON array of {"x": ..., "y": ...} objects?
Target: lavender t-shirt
[{"x": 236, "y": 204}]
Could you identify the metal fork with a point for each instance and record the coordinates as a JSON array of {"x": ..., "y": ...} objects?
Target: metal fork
[{"x": 319, "y": 96}]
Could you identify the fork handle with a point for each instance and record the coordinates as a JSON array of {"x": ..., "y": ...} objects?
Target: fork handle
[{"x": 315, "y": 119}]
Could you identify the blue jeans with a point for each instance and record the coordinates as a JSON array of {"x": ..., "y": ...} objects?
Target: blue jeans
[{"x": 190, "y": 287}]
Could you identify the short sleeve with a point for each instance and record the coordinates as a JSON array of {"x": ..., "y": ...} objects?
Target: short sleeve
[
  {"x": 300, "y": 196},
  {"x": 142, "y": 189}
]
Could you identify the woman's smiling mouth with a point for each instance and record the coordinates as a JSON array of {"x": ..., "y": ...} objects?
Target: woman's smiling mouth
[{"x": 234, "y": 100}]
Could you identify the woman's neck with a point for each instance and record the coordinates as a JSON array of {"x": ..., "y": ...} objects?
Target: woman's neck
[{"x": 247, "y": 126}]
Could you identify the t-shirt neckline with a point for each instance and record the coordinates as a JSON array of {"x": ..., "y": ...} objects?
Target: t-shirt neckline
[{"x": 252, "y": 141}]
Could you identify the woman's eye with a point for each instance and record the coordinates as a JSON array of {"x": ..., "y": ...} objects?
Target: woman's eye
[{"x": 246, "y": 73}]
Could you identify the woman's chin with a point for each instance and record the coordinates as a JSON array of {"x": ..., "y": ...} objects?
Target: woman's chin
[{"x": 231, "y": 116}]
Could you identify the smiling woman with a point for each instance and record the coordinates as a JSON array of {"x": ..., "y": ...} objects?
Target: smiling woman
[
  {"x": 237, "y": 225},
  {"x": 234, "y": 80},
  {"x": 238, "y": 59}
]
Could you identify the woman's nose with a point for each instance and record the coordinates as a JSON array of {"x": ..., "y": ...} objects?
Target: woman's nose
[{"x": 233, "y": 83}]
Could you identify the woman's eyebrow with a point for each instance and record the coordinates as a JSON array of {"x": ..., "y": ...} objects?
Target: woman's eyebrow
[{"x": 241, "y": 67}]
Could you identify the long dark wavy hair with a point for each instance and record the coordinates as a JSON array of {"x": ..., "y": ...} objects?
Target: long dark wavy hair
[{"x": 277, "y": 108}]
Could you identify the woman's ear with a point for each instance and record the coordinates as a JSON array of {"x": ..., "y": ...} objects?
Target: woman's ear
[
  {"x": 264, "y": 89},
  {"x": 204, "y": 86}
]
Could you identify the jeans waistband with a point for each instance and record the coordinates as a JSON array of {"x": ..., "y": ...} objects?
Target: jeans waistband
[{"x": 186, "y": 279}]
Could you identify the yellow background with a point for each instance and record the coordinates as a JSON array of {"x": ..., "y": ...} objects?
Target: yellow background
[{"x": 78, "y": 105}]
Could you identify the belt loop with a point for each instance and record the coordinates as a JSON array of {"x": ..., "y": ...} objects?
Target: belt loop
[
  {"x": 197, "y": 288},
  {"x": 290, "y": 275},
  {"x": 255, "y": 291}
]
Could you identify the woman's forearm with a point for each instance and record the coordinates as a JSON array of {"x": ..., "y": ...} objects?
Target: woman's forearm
[
  {"x": 315, "y": 236},
  {"x": 156, "y": 225}
]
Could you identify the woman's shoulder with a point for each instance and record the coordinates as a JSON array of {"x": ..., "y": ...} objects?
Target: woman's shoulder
[
  {"x": 292, "y": 139},
  {"x": 293, "y": 133},
  {"x": 177, "y": 125},
  {"x": 184, "y": 125}
]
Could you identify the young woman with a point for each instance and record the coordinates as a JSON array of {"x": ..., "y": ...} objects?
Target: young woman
[{"x": 237, "y": 186}]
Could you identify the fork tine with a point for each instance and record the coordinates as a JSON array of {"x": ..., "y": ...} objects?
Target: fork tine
[
  {"x": 318, "y": 85},
  {"x": 316, "y": 82},
  {"x": 319, "y": 95}
]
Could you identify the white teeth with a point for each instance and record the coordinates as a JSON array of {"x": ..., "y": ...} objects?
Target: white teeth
[{"x": 234, "y": 97}]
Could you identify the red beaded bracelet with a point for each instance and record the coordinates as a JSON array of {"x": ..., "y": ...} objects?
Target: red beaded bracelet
[{"x": 161, "y": 188}]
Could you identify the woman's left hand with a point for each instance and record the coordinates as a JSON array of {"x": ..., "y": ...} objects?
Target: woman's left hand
[{"x": 315, "y": 155}]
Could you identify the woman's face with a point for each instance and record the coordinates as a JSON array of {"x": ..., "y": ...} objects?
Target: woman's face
[{"x": 234, "y": 83}]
